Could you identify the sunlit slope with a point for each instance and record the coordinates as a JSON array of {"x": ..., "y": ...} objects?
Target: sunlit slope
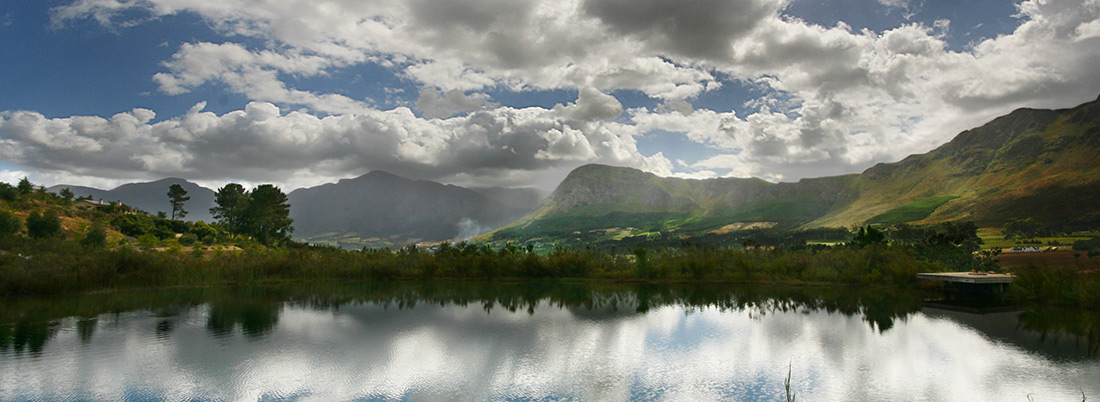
[
  {"x": 595, "y": 197},
  {"x": 1042, "y": 164}
]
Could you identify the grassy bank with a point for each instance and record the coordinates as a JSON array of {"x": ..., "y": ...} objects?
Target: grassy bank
[{"x": 63, "y": 266}]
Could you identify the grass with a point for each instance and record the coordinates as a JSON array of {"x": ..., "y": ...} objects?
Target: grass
[
  {"x": 59, "y": 266},
  {"x": 992, "y": 238},
  {"x": 911, "y": 212}
]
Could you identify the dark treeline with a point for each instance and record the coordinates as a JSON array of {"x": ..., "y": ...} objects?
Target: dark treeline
[{"x": 57, "y": 265}]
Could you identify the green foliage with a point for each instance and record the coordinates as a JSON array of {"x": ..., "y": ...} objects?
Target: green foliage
[
  {"x": 43, "y": 225},
  {"x": 9, "y": 223},
  {"x": 263, "y": 213},
  {"x": 177, "y": 196},
  {"x": 136, "y": 225},
  {"x": 1066, "y": 286},
  {"x": 188, "y": 239},
  {"x": 232, "y": 207},
  {"x": 269, "y": 215},
  {"x": 913, "y": 211},
  {"x": 25, "y": 186},
  {"x": 203, "y": 231},
  {"x": 1026, "y": 228},
  {"x": 96, "y": 237},
  {"x": 66, "y": 194},
  {"x": 70, "y": 269},
  {"x": 8, "y": 192},
  {"x": 148, "y": 240},
  {"x": 867, "y": 236}
]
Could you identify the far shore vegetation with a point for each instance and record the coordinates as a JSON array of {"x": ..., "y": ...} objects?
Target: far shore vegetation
[{"x": 53, "y": 244}]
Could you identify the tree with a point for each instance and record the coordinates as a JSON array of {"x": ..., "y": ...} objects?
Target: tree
[
  {"x": 177, "y": 196},
  {"x": 868, "y": 235},
  {"x": 1026, "y": 228},
  {"x": 9, "y": 223},
  {"x": 269, "y": 214},
  {"x": 232, "y": 207},
  {"x": 8, "y": 192},
  {"x": 43, "y": 225},
  {"x": 66, "y": 194},
  {"x": 25, "y": 186}
]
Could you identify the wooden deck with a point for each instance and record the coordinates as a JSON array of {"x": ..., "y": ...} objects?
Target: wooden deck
[{"x": 966, "y": 277}]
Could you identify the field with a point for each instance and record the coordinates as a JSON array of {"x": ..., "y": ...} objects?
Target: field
[{"x": 993, "y": 239}]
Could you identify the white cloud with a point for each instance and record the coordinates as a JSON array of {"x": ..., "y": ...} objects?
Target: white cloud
[
  {"x": 436, "y": 104},
  {"x": 837, "y": 100},
  {"x": 262, "y": 143}
]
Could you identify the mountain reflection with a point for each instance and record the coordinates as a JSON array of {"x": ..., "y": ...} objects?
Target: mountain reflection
[{"x": 527, "y": 341}]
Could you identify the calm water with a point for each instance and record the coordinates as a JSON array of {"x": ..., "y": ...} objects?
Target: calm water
[{"x": 542, "y": 342}]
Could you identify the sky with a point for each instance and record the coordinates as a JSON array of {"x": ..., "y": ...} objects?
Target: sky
[{"x": 516, "y": 93}]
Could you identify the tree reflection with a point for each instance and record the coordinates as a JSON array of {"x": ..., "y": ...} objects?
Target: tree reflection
[
  {"x": 256, "y": 318},
  {"x": 27, "y": 325},
  {"x": 27, "y": 335},
  {"x": 85, "y": 328},
  {"x": 1054, "y": 325}
]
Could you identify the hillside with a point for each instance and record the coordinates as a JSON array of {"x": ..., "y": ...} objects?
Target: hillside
[
  {"x": 1040, "y": 164},
  {"x": 381, "y": 209},
  {"x": 152, "y": 196}
]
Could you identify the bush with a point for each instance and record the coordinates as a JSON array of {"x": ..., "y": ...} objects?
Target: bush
[
  {"x": 43, "y": 225},
  {"x": 96, "y": 237},
  {"x": 148, "y": 240},
  {"x": 9, "y": 223},
  {"x": 203, "y": 231},
  {"x": 188, "y": 239},
  {"x": 8, "y": 192}
]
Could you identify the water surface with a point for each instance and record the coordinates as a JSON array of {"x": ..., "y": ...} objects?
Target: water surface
[{"x": 538, "y": 341}]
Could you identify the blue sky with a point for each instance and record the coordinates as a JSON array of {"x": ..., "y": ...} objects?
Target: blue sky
[{"x": 516, "y": 92}]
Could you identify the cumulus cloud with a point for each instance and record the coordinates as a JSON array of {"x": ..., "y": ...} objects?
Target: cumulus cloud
[
  {"x": 836, "y": 99},
  {"x": 436, "y": 104},
  {"x": 262, "y": 143}
]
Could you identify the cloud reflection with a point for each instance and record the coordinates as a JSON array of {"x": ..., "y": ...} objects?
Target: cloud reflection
[{"x": 463, "y": 351}]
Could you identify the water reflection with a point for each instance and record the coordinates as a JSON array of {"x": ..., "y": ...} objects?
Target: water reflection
[{"x": 534, "y": 341}]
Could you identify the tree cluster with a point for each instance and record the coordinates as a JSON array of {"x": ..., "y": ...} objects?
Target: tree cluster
[
  {"x": 263, "y": 213},
  {"x": 1026, "y": 228}
]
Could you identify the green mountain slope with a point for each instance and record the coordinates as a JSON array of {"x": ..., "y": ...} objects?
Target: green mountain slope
[{"x": 1042, "y": 164}]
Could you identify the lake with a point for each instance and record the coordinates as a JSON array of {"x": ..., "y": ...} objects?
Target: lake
[{"x": 540, "y": 342}]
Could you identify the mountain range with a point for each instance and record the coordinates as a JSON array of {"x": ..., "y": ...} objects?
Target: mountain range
[
  {"x": 381, "y": 209},
  {"x": 1040, "y": 164},
  {"x": 377, "y": 209},
  {"x": 151, "y": 197}
]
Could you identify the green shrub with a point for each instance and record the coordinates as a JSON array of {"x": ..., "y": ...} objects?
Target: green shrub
[
  {"x": 148, "y": 240},
  {"x": 96, "y": 236},
  {"x": 188, "y": 239},
  {"x": 9, "y": 223},
  {"x": 43, "y": 225}
]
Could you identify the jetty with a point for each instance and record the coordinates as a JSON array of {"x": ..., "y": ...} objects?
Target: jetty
[{"x": 970, "y": 281}]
